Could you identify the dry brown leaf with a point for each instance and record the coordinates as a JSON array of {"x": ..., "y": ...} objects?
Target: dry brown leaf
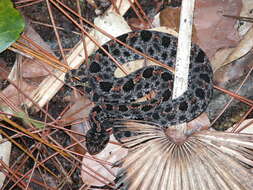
[
  {"x": 14, "y": 96},
  {"x": 170, "y": 17},
  {"x": 233, "y": 71},
  {"x": 219, "y": 57},
  {"x": 79, "y": 110},
  {"x": 200, "y": 123},
  {"x": 33, "y": 68},
  {"x": 82, "y": 129},
  {"x": 112, "y": 153},
  {"x": 243, "y": 27},
  {"x": 5, "y": 150},
  {"x": 215, "y": 31},
  {"x": 136, "y": 24},
  {"x": 242, "y": 48}
]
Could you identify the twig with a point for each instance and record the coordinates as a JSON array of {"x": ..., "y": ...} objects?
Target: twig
[
  {"x": 183, "y": 52},
  {"x": 50, "y": 85}
]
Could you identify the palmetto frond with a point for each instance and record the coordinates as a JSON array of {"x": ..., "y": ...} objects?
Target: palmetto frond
[{"x": 204, "y": 161}]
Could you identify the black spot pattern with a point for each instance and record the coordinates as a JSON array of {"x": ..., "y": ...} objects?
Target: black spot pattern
[
  {"x": 200, "y": 93},
  {"x": 123, "y": 108},
  {"x": 166, "y": 76},
  {"x": 200, "y": 57},
  {"x": 183, "y": 106},
  {"x": 120, "y": 103},
  {"x": 165, "y": 41},
  {"x": 147, "y": 73},
  {"x": 129, "y": 85},
  {"x": 147, "y": 108},
  {"x": 94, "y": 67},
  {"x": 146, "y": 35},
  {"x": 205, "y": 77},
  {"x": 105, "y": 86},
  {"x": 116, "y": 52}
]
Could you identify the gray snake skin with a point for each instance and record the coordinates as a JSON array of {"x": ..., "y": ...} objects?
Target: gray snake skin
[{"x": 115, "y": 98}]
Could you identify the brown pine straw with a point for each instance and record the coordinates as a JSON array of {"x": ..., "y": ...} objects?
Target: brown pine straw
[
  {"x": 191, "y": 165},
  {"x": 26, "y": 3},
  {"x": 105, "y": 33},
  {"x": 56, "y": 31},
  {"x": 140, "y": 17}
]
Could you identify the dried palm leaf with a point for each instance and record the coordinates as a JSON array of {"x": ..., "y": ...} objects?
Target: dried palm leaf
[{"x": 205, "y": 160}]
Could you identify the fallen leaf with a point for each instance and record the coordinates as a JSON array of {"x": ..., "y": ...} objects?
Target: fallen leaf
[
  {"x": 242, "y": 48},
  {"x": 5, "y": 150},
  {"x": 170, "y": 17},
  {"x": 219, "y": 57},
  {"x": 230, "y": 73},
  {"x": 214, "y": 31},
  {"x": 112, "y": 153},
  {"x": 79, "y": 110},
  {"x": 243, "y": 26},
  {"x": 14, "y": 96}
]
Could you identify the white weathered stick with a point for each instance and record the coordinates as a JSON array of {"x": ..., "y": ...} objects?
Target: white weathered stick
[{"x": 183, "y": 50}]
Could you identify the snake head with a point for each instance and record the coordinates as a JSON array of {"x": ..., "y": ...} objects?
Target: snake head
[{"x": 96, "y": 141}]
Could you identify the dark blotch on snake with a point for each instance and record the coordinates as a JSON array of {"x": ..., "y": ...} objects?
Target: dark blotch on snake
[
  {"x": 170, "y": 116},
  {"x": 200, "y": 93},
  {"x": 94, "y": 67},
  {"x": 147, "y": 73},
  {"x": 128, "y": 86},
  {"x": 166, "y": 95},
  {"x": 105, "y": 86},
  {"x": 183, "y": 106},
  {"x": 146, "y": 35},
  {"x": 123, "y": 108},
  {"x": 147, "y": 108},
  {"x": 205, "y": 77},
  {"x": 123, "y": 38},
  {"x": 100, "y": 51},
  {"x": 116, "y": 52},
  {"x": 95, "y": 97},
  {"x": 109, "y": 107},
  {"x": 173, "y": 53},
  {"x": 165, "y": 41},
  {"x": 126, "y": 54},
  {"x": 166, "y": 76},
  {"x": 156, "y": 116},
  {"x": 151, "y": 51},
  {"x": 200, "y": 58},
  {"x": 164, "y": 56}
]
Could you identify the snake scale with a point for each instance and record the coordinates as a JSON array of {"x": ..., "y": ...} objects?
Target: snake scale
[{"x": 115, "y": 98}]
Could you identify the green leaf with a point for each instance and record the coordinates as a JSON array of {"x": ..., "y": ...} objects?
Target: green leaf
[
  {"x": 11, "y": 24},
  {"x": 26, "y": 119}
]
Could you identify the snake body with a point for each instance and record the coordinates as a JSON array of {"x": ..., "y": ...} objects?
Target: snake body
[{"x": 115, "y": 98}]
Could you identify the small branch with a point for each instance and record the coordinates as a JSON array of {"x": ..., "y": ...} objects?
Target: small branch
[{"x": 183, "y": 52}]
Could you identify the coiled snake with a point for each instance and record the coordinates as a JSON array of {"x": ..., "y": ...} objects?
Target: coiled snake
[{"x": 115, "y": 98}]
